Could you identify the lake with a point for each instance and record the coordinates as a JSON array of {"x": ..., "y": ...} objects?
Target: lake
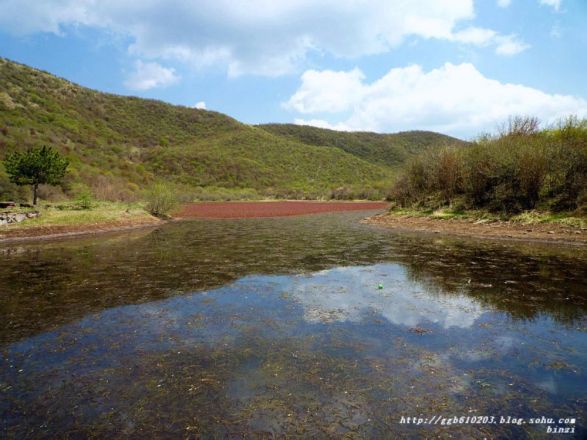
[{"x": 313, "y": 326}]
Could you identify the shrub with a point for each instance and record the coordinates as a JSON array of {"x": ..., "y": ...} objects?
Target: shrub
[
  {"x": 84, "y": 200},
  {"x": 521, "y": 169},
  {"x": 449, "y": 173},
  {"x": 401, "y": 192},
  {"x": 480, "y": 175},
  {"x": 160, "y": 199}
]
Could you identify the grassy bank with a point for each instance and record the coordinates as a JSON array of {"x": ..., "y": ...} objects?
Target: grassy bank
[
  {"x": 69, "y": 218},
  {"x": 484, "y": 216},
  {"x": 549, "y": 227}
]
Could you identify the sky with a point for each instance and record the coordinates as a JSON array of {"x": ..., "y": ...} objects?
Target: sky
[{"x": 459, "y": 67}]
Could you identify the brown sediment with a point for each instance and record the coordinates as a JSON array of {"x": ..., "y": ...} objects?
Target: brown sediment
[
  {"x": 270, "y": 208},
  {"x": 61, "y": 231},
  {"x": 497, "y": 230}
]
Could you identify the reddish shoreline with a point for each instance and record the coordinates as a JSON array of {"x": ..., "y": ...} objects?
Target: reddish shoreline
[
  {"x": 191, "y": 210},
  {"x": 270, "y": 209}
]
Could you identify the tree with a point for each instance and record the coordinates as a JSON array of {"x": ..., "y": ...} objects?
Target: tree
[{"x": 36, "y": 166}]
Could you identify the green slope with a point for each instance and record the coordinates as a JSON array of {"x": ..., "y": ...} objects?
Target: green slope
[
  {"x": 386, "y": 149},
  {"x": 118, "y": 145}
]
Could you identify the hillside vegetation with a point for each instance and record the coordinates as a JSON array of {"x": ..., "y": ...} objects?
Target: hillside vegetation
[
  {"x": 117, "y": 146},
  {"x": 127, "y": 149},
  {"x": 521, "y": 169},
  {"x": 386, "y": 149}
]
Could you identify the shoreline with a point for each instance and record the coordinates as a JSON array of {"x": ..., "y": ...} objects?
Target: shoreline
[
  {"x": 495, "y": 230},
  {"x": 51, "y": 232},
  {"x": 205, "y": 210},
  {"x": 271, "y": 208}
]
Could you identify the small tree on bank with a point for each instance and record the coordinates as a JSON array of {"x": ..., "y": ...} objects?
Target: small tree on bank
[{"x": 36, "y": 166}]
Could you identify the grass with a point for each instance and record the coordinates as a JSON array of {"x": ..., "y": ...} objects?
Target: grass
[
  {"x": 533, "y": 217},
  {"x": 527, "y": 218},
  {"x": 70, "y": 215}
]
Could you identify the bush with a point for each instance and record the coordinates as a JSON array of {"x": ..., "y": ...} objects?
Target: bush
[
  {"x": 449, "y": 173},
  {"x": 84, "y": 200},
  {"x": 521, "y": 169},
  {"x": 160, "y": 199}
]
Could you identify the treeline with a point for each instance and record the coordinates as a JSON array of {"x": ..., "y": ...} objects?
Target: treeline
[{"x": 522, "y": 168}]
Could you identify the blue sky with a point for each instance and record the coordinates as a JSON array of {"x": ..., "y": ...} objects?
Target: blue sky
[{"x": 456, "y": 66}]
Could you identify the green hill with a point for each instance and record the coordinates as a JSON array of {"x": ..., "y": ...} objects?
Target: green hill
[
  {"x": 119, "y": 145},
  {"x": 386, "y": 149}
]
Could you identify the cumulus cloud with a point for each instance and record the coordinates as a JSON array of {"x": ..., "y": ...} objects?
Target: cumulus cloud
[
  {"x": 200, "y": 105},
  {"x": 258, "y": 36},
  {"x": 504, "y": 3},
  {"x": 150, "y": 75},
  {"x": 456, "y": 99},
  {"x": 327, "y": 90}
]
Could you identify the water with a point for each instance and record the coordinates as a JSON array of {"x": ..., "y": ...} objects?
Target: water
[{"x": 262, "y": 328}]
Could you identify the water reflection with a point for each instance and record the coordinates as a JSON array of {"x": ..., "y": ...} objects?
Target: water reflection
[
  {"x": 351, "y": 293},
  {"x": 277, "y": 326}
]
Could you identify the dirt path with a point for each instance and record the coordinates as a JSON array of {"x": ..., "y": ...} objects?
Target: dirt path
[
  {"x": 546, "y": 232},
  {"x": 270, "y": 208}
]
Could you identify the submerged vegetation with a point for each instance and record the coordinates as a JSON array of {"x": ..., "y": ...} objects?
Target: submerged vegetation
[
  {"x": 279, "y": 329},
  {"x": 522, "y": 168}
]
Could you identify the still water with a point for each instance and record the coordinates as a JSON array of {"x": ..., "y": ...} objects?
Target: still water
[{"x": 302, "y": 327}]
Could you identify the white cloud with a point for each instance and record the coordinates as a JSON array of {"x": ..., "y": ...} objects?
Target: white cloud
[
  {"x": 504, "y": 44},
  {"x": 322, "y": 124},
  {"x": 327, "y": 90},
  {"x": 456, "y": 99},
  {"x": 257, "y": 36},
  {"x": 150, "y": 75},
  {"x": 556, "y": 4},
  {"x": 475, "y": 35},
  {"x": 200, "y": 105},
  {"x": 510, "y": 45},
  {"x": 504, "y": 3}
]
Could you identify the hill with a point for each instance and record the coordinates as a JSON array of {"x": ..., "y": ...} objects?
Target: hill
[
  {"x": 385, "y": 149},
  {"x": 118, "y": 145}
]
